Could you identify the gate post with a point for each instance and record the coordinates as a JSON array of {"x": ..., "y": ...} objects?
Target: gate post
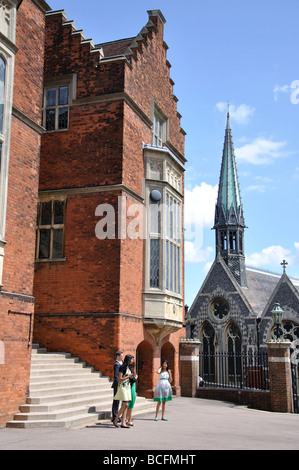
[
  {"x": 189, "y": 366},
  {"x": 280, "y": 376}
]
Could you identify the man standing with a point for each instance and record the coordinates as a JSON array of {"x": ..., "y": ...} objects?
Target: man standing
[{"x": 118, "y": 362}]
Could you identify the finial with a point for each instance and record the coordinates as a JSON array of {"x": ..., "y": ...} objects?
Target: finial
[
  {"x": 227, "y": 121},
  {"x": 284, "y": 265}
]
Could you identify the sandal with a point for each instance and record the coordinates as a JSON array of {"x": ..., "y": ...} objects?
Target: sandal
[
  {"x": 115, "y": 424},
  {"x": 126, "y": 427}
]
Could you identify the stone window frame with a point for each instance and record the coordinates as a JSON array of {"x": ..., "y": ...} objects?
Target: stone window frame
[
  {"x": 173, "y": 243},
  {"x": 167, "y": 242},
  {"x": 52, "y": 226},
  {"x": 69, "y": 80},
  {"x": 160, "y": 127},
  {"x": 216, "y": 317}
]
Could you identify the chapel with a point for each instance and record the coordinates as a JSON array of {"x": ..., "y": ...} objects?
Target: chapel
[{"x": 232, "y": 310}]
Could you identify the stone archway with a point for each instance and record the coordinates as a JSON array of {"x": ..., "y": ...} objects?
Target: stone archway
[
  {"x": 168, "y": 354},
  {"x": 144, "y": 367}
]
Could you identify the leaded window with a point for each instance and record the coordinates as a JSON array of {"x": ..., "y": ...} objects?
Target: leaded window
[
  {"x": 173, "y": 244},
  {"x": 155, "y": 241},
  {"x": 234, "y": 352},
  {"x": 157, "y": 132},
  {"x": 208, "y": 365},
  {"x": 50, "y": 230},
  {"x": 2, "y": 92},
  {"x": 56, "y": 107}
]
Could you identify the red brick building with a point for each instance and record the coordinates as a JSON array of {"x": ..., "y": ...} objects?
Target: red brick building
[
  {"x": 109, "y": 255},
  {"x": 22, "y": 26}
]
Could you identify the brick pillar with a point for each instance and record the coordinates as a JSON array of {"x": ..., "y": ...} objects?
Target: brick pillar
[
  {"x": 189, "y": 366},
  {"x": 280, "y": 376}
]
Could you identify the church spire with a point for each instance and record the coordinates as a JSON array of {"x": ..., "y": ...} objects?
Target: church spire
[
  {"x": 229, "y": 196},
  {"x": 229, "y": 217}
]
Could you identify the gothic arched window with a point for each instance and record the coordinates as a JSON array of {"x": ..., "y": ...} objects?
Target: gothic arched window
[
  {"x": 208, "y": 341},
  {"x": 290, "y": 331},
  {"x": 234, "y": 352}
]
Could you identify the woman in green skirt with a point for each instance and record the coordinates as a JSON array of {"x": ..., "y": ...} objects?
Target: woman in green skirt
[
  {"x": 163, "y": 391},
  {"x": 133, "y": 395}
]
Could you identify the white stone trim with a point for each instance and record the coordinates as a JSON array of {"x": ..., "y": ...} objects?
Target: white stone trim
[{"x": 189, "y": 358}]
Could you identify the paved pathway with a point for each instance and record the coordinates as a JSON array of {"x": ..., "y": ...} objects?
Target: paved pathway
[{"x": 192, "y": 424}]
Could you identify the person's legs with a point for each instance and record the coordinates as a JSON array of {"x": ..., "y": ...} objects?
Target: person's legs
[
  {"x": 124, "y": 414},
  {"x": 157, "y": 410},
  {"x": 163, "y": 409},
  {"x": 129, "y": 415},
  {"x": 115, "y": 404},
  {"x": 120, "y": 413}
]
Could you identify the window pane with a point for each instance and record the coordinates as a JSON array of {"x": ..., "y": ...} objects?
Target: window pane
[
  {"x": 63, "y": 118},
  {"x": 2, "y": 81},
  {"x": 57, "y": 243},
  {"x": 167, "y": 264},
  {"x": 178, "y": 272},
  {"x": 58, "y": 212},
  {"x": 155, "y": 217},
  {"x": 50, "y": 97},
  {"x": 154, "y": 262},
  {"x": 50, "y": 119},
  {"x": 63, "y": 95},
  {"x": 171, "y": 219},
  {"x": 44, "y": 244},
  {"x": 45, "y": 213}
]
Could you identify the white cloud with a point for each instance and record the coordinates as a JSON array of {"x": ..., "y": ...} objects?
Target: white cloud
[
  {"x": 257, "y": 188},
  {"x": 239, "y": 114},
  {"x": 199, "y": 214},
  {"x": 194, "y": 254},
  {"x": 271, "y": 256},
  {"x": 261, "y": 151},
  {"x": 200, "y": 205}
]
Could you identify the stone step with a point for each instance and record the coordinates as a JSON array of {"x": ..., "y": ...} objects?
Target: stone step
[
  {"x": 64, "y": 392},
  {"x": 49, "y": 384},
  {"x": 50, "y": 393},
  {"x": 65, "y": 402}
]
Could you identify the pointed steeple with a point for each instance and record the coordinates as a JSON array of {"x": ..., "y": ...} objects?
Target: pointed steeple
[
  {"x": 229, "y": 218},
  {"x": 229, "y": 196}
]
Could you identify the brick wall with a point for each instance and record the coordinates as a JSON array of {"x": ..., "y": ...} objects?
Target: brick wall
[
  {"x": 16, "y": 298},
  {"x": 94, "y": 296}
]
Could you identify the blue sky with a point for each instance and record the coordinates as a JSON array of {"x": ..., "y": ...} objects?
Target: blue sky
[{"x": 245, "y": 53}]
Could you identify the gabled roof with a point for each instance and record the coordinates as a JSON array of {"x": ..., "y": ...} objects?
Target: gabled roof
[
  {"x": 115, "y": 48},
  {"x": 262, "y": 286}
]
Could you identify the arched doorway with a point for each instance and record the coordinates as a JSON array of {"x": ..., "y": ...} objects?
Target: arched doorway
[
  {"x": 167, "y": 354},
  {"x": 144, "y": 368}
]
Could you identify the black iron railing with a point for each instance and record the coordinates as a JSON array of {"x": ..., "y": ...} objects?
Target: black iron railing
[{"x": 242, "y": 371}]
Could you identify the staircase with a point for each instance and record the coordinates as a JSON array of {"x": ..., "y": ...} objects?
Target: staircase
[{"x": 63, "y": 392}]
